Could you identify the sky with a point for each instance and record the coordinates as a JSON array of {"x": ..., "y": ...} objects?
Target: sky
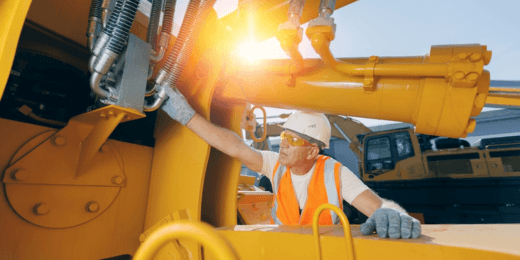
[{"x": 410, "y": 28}]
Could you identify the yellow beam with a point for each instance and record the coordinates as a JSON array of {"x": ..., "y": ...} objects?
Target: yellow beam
[{"x": 12, "y": 16}]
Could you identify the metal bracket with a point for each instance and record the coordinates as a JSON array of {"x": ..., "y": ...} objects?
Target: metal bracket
[
  {"x": 368, "y": 83},
  {"x": 66, "y": 178}
]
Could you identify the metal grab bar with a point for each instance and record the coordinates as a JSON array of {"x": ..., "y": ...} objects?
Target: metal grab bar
[
  {"x": 346, "y": 230},
  {"x": 198, "y": 231}
]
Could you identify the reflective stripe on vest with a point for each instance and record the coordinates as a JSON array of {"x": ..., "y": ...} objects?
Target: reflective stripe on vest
[{"x": 324, "y": 187}]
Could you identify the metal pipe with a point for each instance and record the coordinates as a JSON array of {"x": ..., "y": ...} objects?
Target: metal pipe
[
  {"x": 153, "y": 24},
  {"x": 159, "y": 99},
  {"x": 321, "y": 42}
]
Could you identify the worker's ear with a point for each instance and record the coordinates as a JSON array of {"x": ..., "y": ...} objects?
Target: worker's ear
[{"x": 313, "y": 153}]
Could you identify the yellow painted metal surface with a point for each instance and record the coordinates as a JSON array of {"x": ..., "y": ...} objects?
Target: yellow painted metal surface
[
  {"x": 436, "y": 242},
  {"x": 113, "y": 232},
  {"x": 434, "y": 105},
  {"x": 12, "y": 16}
]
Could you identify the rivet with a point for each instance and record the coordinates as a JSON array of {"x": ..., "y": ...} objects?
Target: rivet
[
  {"x": 117, "y": 180},
  {"x": 472, "y": 76},
  {"x": 41, "y": 209},
  {"x": 263, "y": 216},
  {"x": 19, "y": 175},
  {"x": 475, "y": 57},
  {"x": 458, "y": 75},
  {"x": 58, "y": 141},
  {"x": 462, "y": 56},
  {"x": 104, "y": 148},
  {"x": 92, "y": 206}
]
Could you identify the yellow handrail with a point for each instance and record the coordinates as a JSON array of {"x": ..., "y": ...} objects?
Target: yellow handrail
[
  {"x": 346, "y": 230},
  {"x": 198, "y": 231},
  {"x": 252, "y": 131}
]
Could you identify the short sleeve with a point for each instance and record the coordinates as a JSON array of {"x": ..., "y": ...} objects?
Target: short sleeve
[
  {"x": 351, "y": 185},
  {"x": 269, "y": 160}
]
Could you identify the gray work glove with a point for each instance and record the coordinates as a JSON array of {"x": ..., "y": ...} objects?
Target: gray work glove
[
  {"x": 177, "y": 107},
  {"x": 391, "y": 223}
]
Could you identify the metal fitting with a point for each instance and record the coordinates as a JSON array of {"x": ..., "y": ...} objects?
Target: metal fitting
[
  {"x": 160, "y": 96},
  {"x": 118, "y": 180},
  {"x": 161, "y": 76},
  {"x": 106, "y": 12}
]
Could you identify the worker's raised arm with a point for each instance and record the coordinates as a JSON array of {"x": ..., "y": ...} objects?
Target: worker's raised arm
[{"x": 223, "y": 139}]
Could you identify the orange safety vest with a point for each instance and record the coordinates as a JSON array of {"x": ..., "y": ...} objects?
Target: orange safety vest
[{"x": 324, "y": 187}]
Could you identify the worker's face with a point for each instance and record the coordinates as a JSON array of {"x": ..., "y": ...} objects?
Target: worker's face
[{"x": 291, "y": 155}]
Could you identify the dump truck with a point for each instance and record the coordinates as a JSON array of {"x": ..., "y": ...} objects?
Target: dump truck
[{"x": 92, "y": 168}]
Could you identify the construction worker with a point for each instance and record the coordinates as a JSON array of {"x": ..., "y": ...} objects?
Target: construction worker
[{"x": 302, "y": 178}]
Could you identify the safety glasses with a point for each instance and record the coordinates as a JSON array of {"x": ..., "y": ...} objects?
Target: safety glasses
[{"x": 294, "y": 141}]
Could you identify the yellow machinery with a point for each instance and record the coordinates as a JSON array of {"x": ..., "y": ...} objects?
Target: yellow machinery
[{"x": 70, "y": 193}]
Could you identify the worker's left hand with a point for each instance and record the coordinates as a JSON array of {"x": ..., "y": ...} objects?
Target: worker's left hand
[{"x": 391, "y": 223}]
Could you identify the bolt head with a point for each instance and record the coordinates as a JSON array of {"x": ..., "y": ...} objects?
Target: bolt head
[
  {"x": 41, "y": 209},
  {"x": 19, "y": 175},
  {"x": 104, "y": 148},
  {"x": 458, "y": 75},
  {"x": 118, "y": 180},
  {"x": 462, "y": 56},
  {"x": 92, "y": 206},
  {"x": 59, "y": 141},
  {"x": 475, "y": 57},
  {"x": 472, "y": 76}
]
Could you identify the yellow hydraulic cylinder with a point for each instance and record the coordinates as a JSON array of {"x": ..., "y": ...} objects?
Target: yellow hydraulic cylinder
[{"x": 438, "y": 105}]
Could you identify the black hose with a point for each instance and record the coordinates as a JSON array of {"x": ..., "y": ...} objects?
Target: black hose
[
  {"x": 122, "y": 28},
  {"x": 113, "y": 18},
  {"x": 95, "y": 9},
  {"x": 193, "y": 21},
  {"x": 153, "y": 25}
]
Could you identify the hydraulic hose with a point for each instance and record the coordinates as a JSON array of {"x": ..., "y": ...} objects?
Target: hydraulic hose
[
  {"x": 122, "y": 29},
  {"x": 120, "y": 32},
  {"x": 194, "y": 18},
  {"x": 105, "y": 35},
  {"x": 93, "y": 20},
  {"x": 193, "y": 21},
  {"x": 153, "y": 25}
]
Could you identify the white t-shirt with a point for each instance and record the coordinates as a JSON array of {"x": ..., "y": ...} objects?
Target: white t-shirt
[{"x": 351, "y": 185}]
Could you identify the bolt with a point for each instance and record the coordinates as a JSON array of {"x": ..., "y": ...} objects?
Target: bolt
[
  {"x": 19, "y": 175},
  {"x": 462, "y": 56},
  {"x": 475, "y": 57},
  {"x": 117, "y": 180},
  {"x": 41, "y": 209},
  {"x": 104, "y": 148},
  {"x": 110, "y": 113},
  {"x": 270, "y": 204},
  {"x": 458, "y": 75},
  {"x": 92, "y": 206},
  {"x": 368, "y": 82},
  {"x": 372, "y": 58},
  {"x": 58, "y": 141},
  {"x": 102, "y": 115},
  {"x": 263, "y": 216},
  {"x": 473, "y": 76}
]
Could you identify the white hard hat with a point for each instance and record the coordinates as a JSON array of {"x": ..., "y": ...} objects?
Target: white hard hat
[{"x": 313, "y": 125}]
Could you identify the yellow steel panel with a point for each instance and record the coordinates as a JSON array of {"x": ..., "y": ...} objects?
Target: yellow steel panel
[
  {"x": 436, "y": 242},
  {"x": 114, "y": 232},
  {"x": 12, "y": 16}
]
